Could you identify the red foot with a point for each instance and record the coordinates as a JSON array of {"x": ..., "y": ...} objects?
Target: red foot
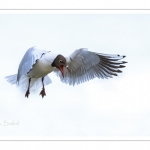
[
  {"x": 43, "y": 93},
  {"x": 27, "y": 93}
]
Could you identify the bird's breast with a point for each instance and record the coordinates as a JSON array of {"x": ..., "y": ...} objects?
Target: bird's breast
[{"x": 40, "y": 69}]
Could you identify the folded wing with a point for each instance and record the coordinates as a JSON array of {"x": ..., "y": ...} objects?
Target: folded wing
[
  {"x": 28, "y": 60},
  {"x": 86, "y": 65}
]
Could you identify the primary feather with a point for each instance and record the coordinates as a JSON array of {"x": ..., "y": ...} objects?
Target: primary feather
[{"x": 86, "y": 65}]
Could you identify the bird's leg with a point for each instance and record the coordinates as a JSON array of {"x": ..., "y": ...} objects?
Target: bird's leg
[
  {"x": 43, "y": 89},
  {"x": 28, "y": 92}
]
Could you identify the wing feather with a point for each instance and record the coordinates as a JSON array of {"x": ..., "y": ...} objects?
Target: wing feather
[
  {"x": 86, "y": 65},
  {"x": 28, "y": 60}
]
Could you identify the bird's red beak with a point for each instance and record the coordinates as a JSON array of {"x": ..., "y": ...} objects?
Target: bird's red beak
[{"x": 62, "y": 70}]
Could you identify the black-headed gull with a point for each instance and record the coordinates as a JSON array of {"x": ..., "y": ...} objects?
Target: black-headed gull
[{"x": 82, "y": 65}]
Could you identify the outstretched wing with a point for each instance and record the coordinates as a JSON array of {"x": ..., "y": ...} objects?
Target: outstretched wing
[
  {"x": 86, "y": 65},
  {"x": 30, "y": 57}
]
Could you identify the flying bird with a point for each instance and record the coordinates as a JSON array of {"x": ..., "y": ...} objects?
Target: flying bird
[{"x": 81, "y": 66}]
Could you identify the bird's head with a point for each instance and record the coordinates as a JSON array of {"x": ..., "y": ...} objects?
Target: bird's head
[{"x": 60, "y": 62}]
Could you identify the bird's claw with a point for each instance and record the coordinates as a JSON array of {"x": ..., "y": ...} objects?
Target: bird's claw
[
  {"x": 27, "y": 93},
  {"x": 42, "y": 93}
]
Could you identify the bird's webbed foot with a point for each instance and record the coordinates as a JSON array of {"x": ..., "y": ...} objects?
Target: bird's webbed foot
[
  {"x": 42, "y": 93},
  {"x": 27, "y": 93}
]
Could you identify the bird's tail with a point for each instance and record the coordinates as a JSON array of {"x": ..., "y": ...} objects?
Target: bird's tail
[
  {"x": 12, "y": 79},
  {"x": 24, "y": 81}
]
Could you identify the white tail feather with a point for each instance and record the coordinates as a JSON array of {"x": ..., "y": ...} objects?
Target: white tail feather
[
  {"x": 12, "y": 79},
  {"x": 24, "y": 81}
]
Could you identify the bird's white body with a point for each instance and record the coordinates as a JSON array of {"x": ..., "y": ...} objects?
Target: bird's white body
[{"x": 42, "y": 67}]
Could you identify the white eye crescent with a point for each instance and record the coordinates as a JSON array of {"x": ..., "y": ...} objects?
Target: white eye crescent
[{"x": 60, "y": 61}]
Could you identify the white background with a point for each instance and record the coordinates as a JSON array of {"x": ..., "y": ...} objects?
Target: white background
[
  {"x": 86, "y": 145},
  {"x": 117, "y": 107}
]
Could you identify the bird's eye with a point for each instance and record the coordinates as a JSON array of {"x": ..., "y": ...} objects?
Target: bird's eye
[{"x": 60, "y": 61}]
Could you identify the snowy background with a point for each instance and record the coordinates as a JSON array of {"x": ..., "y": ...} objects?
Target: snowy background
[{"x": 98, "y": 108}]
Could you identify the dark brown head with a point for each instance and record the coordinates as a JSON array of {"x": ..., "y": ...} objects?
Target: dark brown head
[{"x": 60, "y": 62}]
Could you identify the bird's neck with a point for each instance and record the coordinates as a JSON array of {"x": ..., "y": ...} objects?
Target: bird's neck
[{"x": 49, "y": 57}]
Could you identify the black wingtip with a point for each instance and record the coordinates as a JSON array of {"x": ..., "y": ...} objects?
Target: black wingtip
[
  {"x": 124, "y": 56},
  {"x": 124, "y": 62},
  {"x": 121, "y": 66},
  {"x": 119, "y": 71},
  {"x": 115, "y": 74}
]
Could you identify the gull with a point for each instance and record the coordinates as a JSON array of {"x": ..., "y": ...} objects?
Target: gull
[{"x": 80, "y": 66}]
